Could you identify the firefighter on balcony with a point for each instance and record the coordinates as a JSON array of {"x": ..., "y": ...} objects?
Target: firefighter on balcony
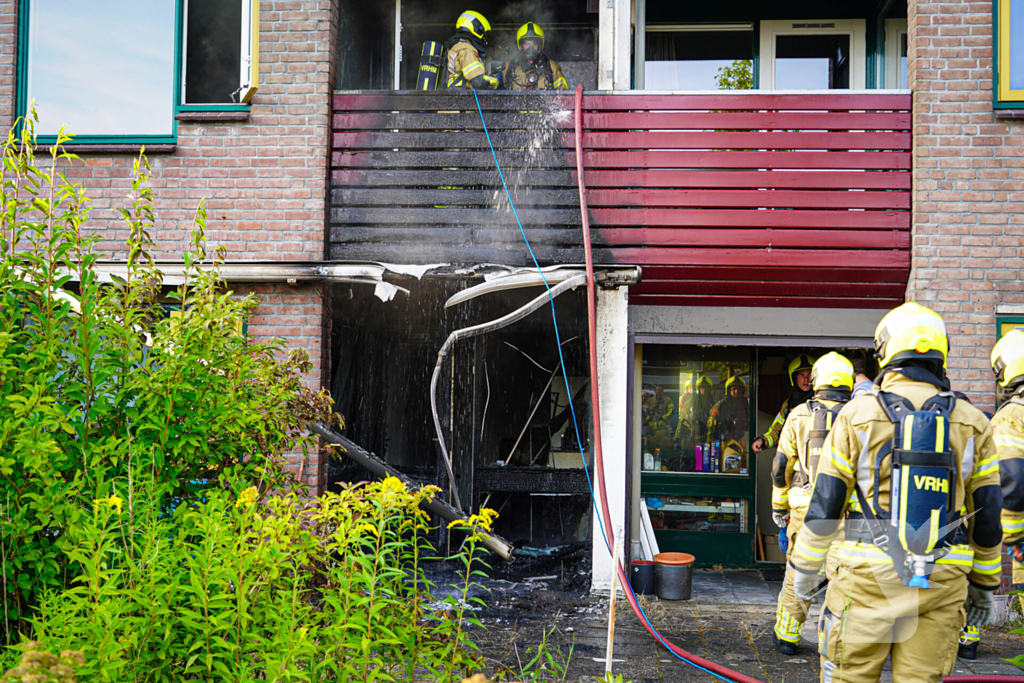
[
  {"x": 793, "y": 471},
  {"x": 800, "y": 391},
  {"x": 531, "y": 69},
  {"x": 897, "y": 468},
  {"x": 466, "y": 51}
]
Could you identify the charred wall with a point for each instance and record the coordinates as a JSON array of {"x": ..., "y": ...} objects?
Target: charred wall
[{"x": 383, "y": 355}]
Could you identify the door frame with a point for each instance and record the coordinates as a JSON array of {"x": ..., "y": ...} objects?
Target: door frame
[{"x": 855, "y": 28}]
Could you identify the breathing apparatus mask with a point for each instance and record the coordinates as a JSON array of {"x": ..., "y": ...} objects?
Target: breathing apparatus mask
[{"x": 531, "y": 48}]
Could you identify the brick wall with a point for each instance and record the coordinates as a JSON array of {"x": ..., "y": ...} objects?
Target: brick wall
[
  {"x": 968, "y": 199},
  {"x": 297, "y": 315}
]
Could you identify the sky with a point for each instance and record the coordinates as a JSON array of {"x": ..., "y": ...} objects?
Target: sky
[
  {"x": 102, "y": 68},
  {"x": 683, "y": 75}
]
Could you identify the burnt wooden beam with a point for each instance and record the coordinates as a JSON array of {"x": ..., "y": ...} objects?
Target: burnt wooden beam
[{"x": 371, "y": 462}]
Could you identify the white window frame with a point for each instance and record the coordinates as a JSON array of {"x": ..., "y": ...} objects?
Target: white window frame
[
  {"x": 248, "y": 77},
  {"x": 855, "y": 28},
  {"x": 894, "y": 28}
]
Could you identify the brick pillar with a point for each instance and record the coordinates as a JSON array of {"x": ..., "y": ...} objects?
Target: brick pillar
[
  {"x": 968, "y": 194},
  {"x": 296, "y": 315}
]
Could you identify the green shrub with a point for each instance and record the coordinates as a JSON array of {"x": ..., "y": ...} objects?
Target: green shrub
[{"x": 102, "y": 395}]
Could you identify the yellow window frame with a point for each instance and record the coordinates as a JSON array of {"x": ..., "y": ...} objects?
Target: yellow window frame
[{"x": 1005, "y": 93}]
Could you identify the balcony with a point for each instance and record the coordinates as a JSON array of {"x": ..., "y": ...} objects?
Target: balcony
[{"x": 724, "y": 198}]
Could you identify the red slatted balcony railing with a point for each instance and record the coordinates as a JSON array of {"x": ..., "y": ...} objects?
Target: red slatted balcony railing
[{"x": 723, "y": 199}]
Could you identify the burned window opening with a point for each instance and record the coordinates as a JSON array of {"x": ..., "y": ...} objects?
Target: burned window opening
[{"x": 383, "y": 355}]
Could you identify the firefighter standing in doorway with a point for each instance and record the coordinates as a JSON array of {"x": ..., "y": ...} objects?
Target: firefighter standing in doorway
[
  {"x": 531, "y": 69},
  {"x": 897, "y": 468},
  {"x": 466, "y": 51},
  {"x": 801, "y": 390},
  {"x": 793, "y": 471}
]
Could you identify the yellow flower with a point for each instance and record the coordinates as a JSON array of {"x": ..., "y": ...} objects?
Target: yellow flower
[
  {"x": 112, "y": 503},
  {"x": 365, "y": 526},
  {"x": 247, "y": 497},
  {"x": 115, "y": 502},
  {"x": 394, "y": 484}
]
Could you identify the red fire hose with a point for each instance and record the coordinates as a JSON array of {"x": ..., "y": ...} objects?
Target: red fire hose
[{"x": 599, "y": 453}]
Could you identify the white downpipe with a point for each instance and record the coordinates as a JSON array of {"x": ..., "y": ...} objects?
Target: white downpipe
[{"x": 398, "y": 45}]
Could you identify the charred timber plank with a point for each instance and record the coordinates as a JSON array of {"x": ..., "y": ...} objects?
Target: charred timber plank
[
  {"x": 809, "y": 274},
  {"x": 456, "y": 238},
  {"x": 749, "y": 101},
  {"x": 531, "y": 480},
  {"x": 538, "y": 139},
  {"x": 873, "y": 161},
  {"x": 751, "y": 218},
  {"x": 507, "y": 101},
  {"x": 452, "y": 217},
  {"x": 510, "y": 255},
  {"x": 760, "y": 120},
  {"x": 794, "y": 180},
  {"x": 755, "y": 258},
  {"x": 431, "y": 179},
  {"x": 452, "y": 121},
  {"x": 788, "y": 199},
  {"x": 440, "y": 161},
  {"x": 366, "y": 459},
  {"x": 755, "y": 237},
  {"x": 753, "y": 300},
  {"x": 736, "y": 288},
  {"x": 716, "y": 140},
  {"x": 524, "y": 197}
]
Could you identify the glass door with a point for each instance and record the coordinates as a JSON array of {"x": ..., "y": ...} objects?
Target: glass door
[
  {"x": 813, "y": 55},
  {"x": 697, "y": 475}
]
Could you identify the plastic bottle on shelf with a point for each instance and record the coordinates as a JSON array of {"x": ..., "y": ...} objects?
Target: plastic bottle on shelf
[{"x": 657, "y": 459}]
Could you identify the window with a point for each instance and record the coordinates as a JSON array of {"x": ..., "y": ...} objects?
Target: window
[
  {"x": 100, "y": 68},
  {"x": 896, "y": 53},
  {"x": 690, "y": 57},
  {"x": 220, "y": 65},
  {"x": 116, "y": 71},
  {"x": 695, "y": 410},
  {"x": 813, "y": 55},
  {"x": 1009, "y": 31}
]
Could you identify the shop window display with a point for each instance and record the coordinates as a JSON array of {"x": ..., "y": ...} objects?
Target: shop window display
[{"x": 695, "y": 413}]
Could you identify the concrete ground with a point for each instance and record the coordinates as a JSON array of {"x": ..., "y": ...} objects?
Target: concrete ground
[{"x": 728, "y": 621}]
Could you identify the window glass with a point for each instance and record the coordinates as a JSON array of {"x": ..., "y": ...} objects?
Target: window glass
[
  {"x": 1016, "y": 44},
  {"x": 691, "y": 59},
  {"x": 812, "y": 62},
  {"x": 213, "y": 51},
  {"x": 686, "y": 513},
  {"x": 695, "y": 410},
  {"x": 102, "y": 68},
  {"x": 903, "y": 61}
]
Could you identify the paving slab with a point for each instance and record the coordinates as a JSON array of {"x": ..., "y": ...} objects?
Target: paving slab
[{"x": 729, "y": 621}]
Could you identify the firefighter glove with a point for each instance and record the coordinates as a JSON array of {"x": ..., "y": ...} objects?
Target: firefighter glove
[
  {"x": 1017, "y": 550},
  {"x": 805, "y": 586},
  {"x": 979, "y": 606},
  {"x": 781, "y": 518}
]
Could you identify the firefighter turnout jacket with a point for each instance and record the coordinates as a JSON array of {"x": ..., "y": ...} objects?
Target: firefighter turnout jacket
[
  {"x": 849, "y": 458},
  {"x": 1008, "y": 427},
  {"x": 771, "y": 437},
  {"x": 465, "y": 64},
  {"x": 792, "y": 471},
  {"x": 541, "y": 73}
]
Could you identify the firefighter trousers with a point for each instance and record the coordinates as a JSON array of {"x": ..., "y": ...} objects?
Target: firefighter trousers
[
  {"x": 869, "y": 615},
  {"x": 790, "y": 613}
]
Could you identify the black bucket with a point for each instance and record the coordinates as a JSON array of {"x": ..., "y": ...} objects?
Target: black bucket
[
  {"x": 641, "y": 577},
  {"x": 673, "y": 576}
]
